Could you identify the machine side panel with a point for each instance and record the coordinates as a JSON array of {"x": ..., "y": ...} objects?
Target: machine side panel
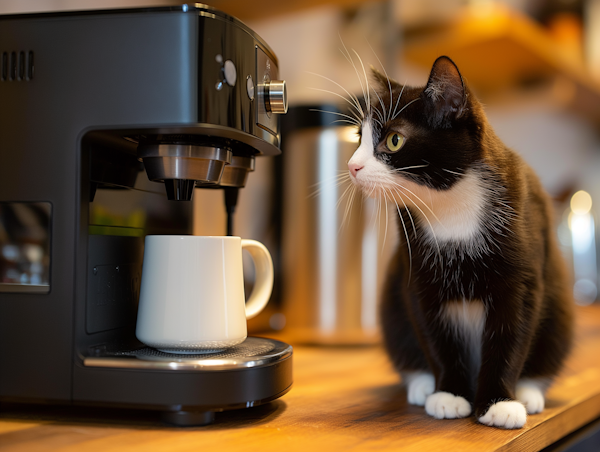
[{"x": 98, "y": 71}]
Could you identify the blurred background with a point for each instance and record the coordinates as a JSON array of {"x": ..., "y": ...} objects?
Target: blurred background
[{"x": 535, "y": 64}]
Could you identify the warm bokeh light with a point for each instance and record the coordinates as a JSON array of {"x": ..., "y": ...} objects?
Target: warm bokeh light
[
  {"x": 350, "y": 135},
  {"x": 581, "y": 203}
]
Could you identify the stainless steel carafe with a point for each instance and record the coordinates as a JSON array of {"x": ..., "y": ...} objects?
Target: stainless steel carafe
[{"x": 335, "y": 244}]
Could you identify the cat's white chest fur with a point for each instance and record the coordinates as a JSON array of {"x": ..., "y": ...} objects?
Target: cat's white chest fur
[
  {"x": 456, "y": 214},
  {"x": 448, "y": 216},
  {"x": 466, "y": 320}
]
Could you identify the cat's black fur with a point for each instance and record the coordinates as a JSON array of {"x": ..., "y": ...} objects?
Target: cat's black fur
[{"x": 514, "y": 267}]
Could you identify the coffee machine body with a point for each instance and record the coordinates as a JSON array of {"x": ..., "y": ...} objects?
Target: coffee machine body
[{"x": 88, "y": 101}]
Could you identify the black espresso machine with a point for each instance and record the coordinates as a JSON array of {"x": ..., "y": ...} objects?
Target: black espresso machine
[{"x": 96, "y": 107}]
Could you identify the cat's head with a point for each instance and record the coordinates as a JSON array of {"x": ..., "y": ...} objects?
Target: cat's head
[{"x": 422, "y": 138}]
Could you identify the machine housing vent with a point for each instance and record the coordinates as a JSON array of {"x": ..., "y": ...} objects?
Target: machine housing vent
[{"x": 16, "y": 66}]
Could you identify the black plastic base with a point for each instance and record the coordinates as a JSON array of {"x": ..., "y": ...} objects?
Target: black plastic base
[
  {"x": 188, "y": 418},
  {"x": 187, "y": 390}
]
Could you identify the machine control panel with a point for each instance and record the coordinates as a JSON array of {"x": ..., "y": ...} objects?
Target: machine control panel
[
  {"x": 276, "y": 97},
  {"x": 271, "y": 92}
]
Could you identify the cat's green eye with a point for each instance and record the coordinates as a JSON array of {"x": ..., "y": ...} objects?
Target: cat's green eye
[{"x": 394, "y": 141}]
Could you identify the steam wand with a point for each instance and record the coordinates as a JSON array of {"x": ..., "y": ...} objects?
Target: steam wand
[{"x": 231, "y": 198}]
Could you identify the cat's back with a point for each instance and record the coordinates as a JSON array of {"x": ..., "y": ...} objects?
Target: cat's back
[
  {"x": 534, "y": 233},
  {"x": 531, "y": 206}
]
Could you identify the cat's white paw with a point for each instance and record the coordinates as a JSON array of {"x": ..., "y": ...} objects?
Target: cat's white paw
[
  {"x": 505, "y": 414},
  {"x": 443, "y": 405},
  {"x": 418, "y": 387},
  {"x": 530, "y": 394}
]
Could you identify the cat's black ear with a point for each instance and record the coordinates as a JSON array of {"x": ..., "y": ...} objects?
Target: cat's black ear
[
  {"x": 382, "y": 80},
  {"x": 445, "y": 97}
]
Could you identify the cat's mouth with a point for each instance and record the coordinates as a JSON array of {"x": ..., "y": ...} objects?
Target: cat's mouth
[
  {"x": 375, "y": 183},
  {"x": 370, "y": 186}
]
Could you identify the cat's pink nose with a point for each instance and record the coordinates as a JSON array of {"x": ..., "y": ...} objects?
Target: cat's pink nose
[{"x": 354, "y": 168}]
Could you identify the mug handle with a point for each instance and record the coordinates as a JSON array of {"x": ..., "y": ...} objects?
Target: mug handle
[{"x": 263, "y": 285}]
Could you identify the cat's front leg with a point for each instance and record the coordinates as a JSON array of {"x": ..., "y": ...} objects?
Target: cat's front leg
[
  {"x": 505, "y": 344},
  {"x": 419, "y": 386},
  {"x": 450, "y": 361},
  {"x": 530, "y": 392},
  {"x": 445, "y": 405},
  {"x": 513, "y": 414}
]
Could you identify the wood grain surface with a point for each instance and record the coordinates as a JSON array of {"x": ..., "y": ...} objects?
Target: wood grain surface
[{"x": 344, "y": 398}]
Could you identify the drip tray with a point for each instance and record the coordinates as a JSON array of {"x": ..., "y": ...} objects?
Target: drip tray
[
  {"x": 253, "y": 352},
  {"x": 188, "y": 389}
]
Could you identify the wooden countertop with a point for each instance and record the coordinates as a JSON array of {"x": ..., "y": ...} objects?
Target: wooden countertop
[{"x": 344, "y": 398}]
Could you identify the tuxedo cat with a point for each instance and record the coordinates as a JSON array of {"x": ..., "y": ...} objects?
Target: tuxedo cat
[{"x": 476, "y": 314}]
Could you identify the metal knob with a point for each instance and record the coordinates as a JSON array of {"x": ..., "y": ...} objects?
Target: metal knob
[{"x": 276, "y": 97}]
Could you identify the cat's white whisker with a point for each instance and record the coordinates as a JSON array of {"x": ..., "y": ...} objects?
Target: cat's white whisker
[
  {"x": 407, "y": 211},
  {"x": 372, "y": 190},
  {"x": 381, "y": 116},
  {"x": 352, "y": 123},
  {"x": 366, "y": 94},
  {"x": 375, "y": 213},
  {"x": 341, "y": 198},
  {"x": 378, "y": 216},
  {"x": 349, "y": 204},
  {"x": 411, "y": 102},
  {"x": 356, "y": 116},
  {"x": 348, "y": 118},
  {"x": 351, "y": 189},
  {"x": 386, "y": 224},
  {"x": 453, "y": 172},
  {"x": 404, "y": 168},
  {"x": 341, "y": 179},
  {"x": 352, "y": 104},
  {"x": 401, "y": 188},
  {"x": 365, "y": 75},
  {"x": 394, "y": 115},
  {"x": 334, "y": 181},
  {"x": 352, "y": 96},
  {"x": 384, "y": 202},
  {"x": 378, "y": 122},
  {"x": 388, "y": 80},
  {"x": 391, "y": 94},
  {"x": 407, "y": 242},
  {"x": 404, "y": 189},
  {"x": 341, "y": 175}
]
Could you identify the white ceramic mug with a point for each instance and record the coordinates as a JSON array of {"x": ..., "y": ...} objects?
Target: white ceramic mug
[{"x": 192, "y": 294}]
